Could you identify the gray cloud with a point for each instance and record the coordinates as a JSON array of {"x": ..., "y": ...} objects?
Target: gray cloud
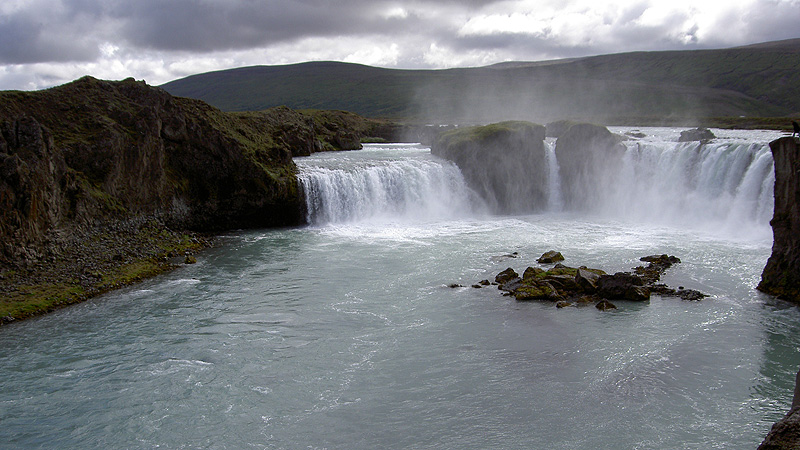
[
  {"x": 151, "y": 38},
  {"x": 30, "y": 37}
]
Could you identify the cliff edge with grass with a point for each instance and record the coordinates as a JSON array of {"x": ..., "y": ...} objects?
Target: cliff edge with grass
[{"x": 103, "y": 182}]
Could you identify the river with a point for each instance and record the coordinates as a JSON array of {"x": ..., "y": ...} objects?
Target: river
[{"x": 345, "y": 334}]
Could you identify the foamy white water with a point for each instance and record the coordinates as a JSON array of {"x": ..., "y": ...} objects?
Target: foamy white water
[
  {"x": 384, "y": 183},
  {"x": 345, "y": 335}
]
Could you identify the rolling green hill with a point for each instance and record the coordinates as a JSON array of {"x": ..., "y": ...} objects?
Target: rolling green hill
[{"x": 759, "y": 80}]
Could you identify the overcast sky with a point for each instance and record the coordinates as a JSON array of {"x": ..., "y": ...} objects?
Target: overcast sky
[{"x": 49, "y": 42}]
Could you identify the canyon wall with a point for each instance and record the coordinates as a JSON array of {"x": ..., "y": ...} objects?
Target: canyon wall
[{"x": 781, "y": 276}]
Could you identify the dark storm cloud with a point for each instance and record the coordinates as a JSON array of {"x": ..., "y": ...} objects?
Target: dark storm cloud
[
  {"x": 42, "y": 40},
  {"x": 199, "y": 25},
  {"x": 28, "y": 38},
  {"x": 221, "y": 25}
]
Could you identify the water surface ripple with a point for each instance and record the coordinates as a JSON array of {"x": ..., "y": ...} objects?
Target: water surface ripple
[{"x": 345, "y": 335}]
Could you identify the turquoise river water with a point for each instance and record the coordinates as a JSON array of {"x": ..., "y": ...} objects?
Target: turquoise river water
[{"x": 344, "y": 334}]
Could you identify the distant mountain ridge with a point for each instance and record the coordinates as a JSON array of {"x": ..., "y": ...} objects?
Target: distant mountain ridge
[{"x": 759, "y": 80}]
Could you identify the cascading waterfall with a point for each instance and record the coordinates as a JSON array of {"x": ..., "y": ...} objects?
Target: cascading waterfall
[
  {"x": 384, "y": 183},
  {"x": 554, "y": 200},
  {"x": 723, "y": 184}
]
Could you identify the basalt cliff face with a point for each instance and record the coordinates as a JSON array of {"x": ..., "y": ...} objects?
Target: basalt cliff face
[
  {"x": 781, "y": 276},
  {"x": 99, "y": 176},
  {"x": 509, "y": 166},
  {"x": 93, "y": 151},
  {"x": 504, "y": 163}
]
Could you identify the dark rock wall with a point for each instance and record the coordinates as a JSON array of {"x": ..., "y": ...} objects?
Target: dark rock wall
[
  {"x": 93, "y": 152},
  {"x": 505, "y": 163},
  {"x": 781, "y": 276},
  {"x": 587, "y": 156},
  {"x": 785, "y": 434}
]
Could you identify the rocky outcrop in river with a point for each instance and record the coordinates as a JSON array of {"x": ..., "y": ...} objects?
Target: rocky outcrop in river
[
  {"x": 570, "y": 286},
  {"x": 781, "y": 275},
  {"x": 588, "y": 156},
  {"x": 503, "y": 162},
  {"x": 507, "y": 163}
]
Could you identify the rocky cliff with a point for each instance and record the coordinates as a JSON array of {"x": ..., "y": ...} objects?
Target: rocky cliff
[
  {"x": 781, "y": 276},
  {"x": 503, "y": 162},
  {"x": 93, "y": 151},
  {"x": 587, "y": 156},
  {"x": 97, "y": 175},
  {"x": 508, "y": 165}
]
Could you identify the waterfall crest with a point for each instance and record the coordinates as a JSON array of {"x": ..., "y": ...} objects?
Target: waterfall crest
[{"x": 384, "y": 183}]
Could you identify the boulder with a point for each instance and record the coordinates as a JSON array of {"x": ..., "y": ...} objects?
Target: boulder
[
  {"x": 506, "y": 275},
  {"x": 563, "y": 283},
  {"x": 536, "y": 290},
  {"x": 622, "y": 286},
  {"x": 605, "y": 305},
  {"x": 587, "y": 280},
  {"x": 696, "y": 134},
  {"x": 532, "y": 272},
  {"x": 550, "y": 257}
]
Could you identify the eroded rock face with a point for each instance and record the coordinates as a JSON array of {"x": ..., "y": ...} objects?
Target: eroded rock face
[
  {"x": 93, "y": 151},
  {"x": 696, "y": 134},
  {"x": 781, "y": 275},
  {"x": 504, "y": 163},
  {"x": 785, "y": 434},
  {"x": 586, "y": 155}
]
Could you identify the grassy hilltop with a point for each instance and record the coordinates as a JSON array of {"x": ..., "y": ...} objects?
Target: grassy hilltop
[{"x": 655, "y": 87}]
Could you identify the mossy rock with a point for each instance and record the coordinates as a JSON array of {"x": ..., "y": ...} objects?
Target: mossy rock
[{"x": 539, "y": 291}]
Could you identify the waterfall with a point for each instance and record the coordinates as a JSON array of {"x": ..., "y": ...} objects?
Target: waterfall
[
  {"x": 554, "y": 200},
  {"x": 727, "y": 186},
  {"x": 384, "y": 183}
]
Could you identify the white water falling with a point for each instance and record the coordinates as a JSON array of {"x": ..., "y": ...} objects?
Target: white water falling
[
  {"x": 725, "y": 186},
  {"x": 384, "y": 183},
  {"x": 554, "y": 200}
]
